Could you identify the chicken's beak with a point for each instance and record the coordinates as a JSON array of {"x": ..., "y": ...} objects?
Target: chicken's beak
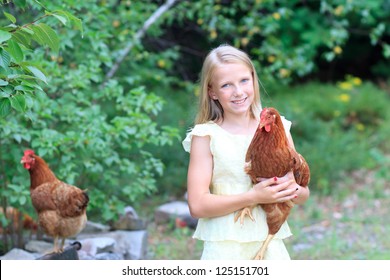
[
  {"x": 261, "y": 125},
  {"x": 25, "y": 163}
]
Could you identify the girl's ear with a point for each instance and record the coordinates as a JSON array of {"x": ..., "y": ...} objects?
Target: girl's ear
[{"x": 212, "y": 94}]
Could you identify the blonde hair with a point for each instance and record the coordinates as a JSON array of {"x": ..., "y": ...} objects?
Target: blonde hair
[{"x": 210, "y": 109}]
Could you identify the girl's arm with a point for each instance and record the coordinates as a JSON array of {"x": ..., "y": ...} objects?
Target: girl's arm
[{"x": 203, "y": 204}]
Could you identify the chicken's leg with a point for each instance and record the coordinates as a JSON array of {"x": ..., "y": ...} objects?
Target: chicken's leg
[
  {"x": 247, "y": 211},
  {"x": 260, "y": 255},
  {"x": 61, "y": 249},
  {"x": 55, "y": 249}
]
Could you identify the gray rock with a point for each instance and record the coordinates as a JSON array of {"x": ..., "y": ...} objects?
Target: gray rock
[
  {"x": 132, "y": 245},
  {"x": 93, "y": 246},
  {"x": 113, "y": 245},
  {"x": 108, "y": 256},
  {"x": 130, "y": 221},
  {"x": 38, "y": 246},
  {"x": 69, "y": 253},
  {"x": 18, "y": 254},
  {"x": 170, "y": 211},
  {"x": 92, "y": 227},
  {"x": 138, "y": 245}
]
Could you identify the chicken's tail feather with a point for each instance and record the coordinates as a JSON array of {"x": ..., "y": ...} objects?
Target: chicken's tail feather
[{"x": 86, "y": 199}]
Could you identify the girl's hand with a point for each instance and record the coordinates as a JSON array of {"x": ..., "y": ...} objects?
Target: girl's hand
[
  {"x": 274, "y": 190},
  {"x": 301, "y": 193}
]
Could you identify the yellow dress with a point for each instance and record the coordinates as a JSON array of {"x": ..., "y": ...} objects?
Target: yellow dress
[{"x": 223, "y": 238}]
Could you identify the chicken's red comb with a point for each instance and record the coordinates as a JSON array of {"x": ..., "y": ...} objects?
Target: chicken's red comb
[
  {"x": 28, "y": 152},
  {"x": 262, "y": 113}
]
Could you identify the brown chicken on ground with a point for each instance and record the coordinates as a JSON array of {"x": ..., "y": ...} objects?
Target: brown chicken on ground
[{"x": 61, "y": 207}]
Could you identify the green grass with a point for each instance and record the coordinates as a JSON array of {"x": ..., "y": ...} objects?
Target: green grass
[
  {"x": 351, "y": 224},
  {"x": 167, "y": 243}
]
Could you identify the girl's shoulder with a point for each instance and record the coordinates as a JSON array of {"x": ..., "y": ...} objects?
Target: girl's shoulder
[
  {"x": 204, "y": 129},
  {"x": 286, "y": 123}
]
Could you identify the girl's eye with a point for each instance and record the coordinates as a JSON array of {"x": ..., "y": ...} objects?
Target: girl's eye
[
  {"x": 225, "y": 85},
  {"x": 244, "y": 80}
]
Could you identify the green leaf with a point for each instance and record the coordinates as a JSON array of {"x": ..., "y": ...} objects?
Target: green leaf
[
  {"x": 76, "y": 21},
  {"x": 3, "y": 83},
  {"x": 4, "y": 94},
  {"x": 31, "y": 84},
  {"x": 62, "y": 19},
  {"x": 386, "y": 50},
  {"x": 4, "y": 36},
  {"x": 29, "y": 99},
  {"x": 22, "y": 200},
  {"x": 6, "y": 91},
  {"x": 5, "y": 59},
  {"x": 27, "y": 30},
  {"x": 5, "y": 107},
  {"x": 52, "y": 39},
  {"x": 23, "y": 88},
  {"x": 10, "y": 17},
  {"x": 22, "y": 38},
  {"x": 37, "y": 73},
  {"x": 45, "y": 35},
  {"x": 18, "y": 138},
  {"x": 15, "y": 51},
  {"x": 41, "y": 95},
  {"x": 18, "y": 102}
]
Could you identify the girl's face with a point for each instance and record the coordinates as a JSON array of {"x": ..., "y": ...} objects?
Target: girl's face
[{"x": 232, "y": 86}]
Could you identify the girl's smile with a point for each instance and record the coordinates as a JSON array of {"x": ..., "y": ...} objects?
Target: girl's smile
[{"x": 240, "y": 101}]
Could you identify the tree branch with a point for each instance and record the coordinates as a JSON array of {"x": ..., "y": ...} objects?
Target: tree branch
[{"x": 140, "y": 33}]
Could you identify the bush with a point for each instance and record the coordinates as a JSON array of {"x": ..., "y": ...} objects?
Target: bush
[{"x": 94, "y": 133}]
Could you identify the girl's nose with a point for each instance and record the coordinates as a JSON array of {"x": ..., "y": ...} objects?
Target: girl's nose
[{"x": 238, "y": 91}]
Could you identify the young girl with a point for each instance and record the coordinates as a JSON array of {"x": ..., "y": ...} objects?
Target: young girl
[{"x": 217, "y": 183}]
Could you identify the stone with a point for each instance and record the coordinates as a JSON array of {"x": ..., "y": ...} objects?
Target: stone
[
  {"x": 131, "y": 244},
  {"x": 102, "y": 245},
  {"x": 169, "y": 211},
  {"x": 18, "y": 254},
  {"x": 93, "y": 246},
  {"x": 69, "y": 253},
  {"x": 108, "y": 256},
  {"x": 39, "y": 246},
  {"x": 92, "y": 227},
  {"x": 129, "y": 221}
]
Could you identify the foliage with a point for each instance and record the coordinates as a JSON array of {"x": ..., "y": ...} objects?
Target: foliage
[
  {"x": 94, "y": 135},
  {"x": 291, "y": 39},
  {"x": 19, "y": 74}
]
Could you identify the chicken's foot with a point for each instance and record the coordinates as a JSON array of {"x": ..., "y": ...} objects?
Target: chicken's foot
[
  {"x": 247, "y": 211},
  {"x": 58, "y": 249},
  {"x": 260, "y": 255}
]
